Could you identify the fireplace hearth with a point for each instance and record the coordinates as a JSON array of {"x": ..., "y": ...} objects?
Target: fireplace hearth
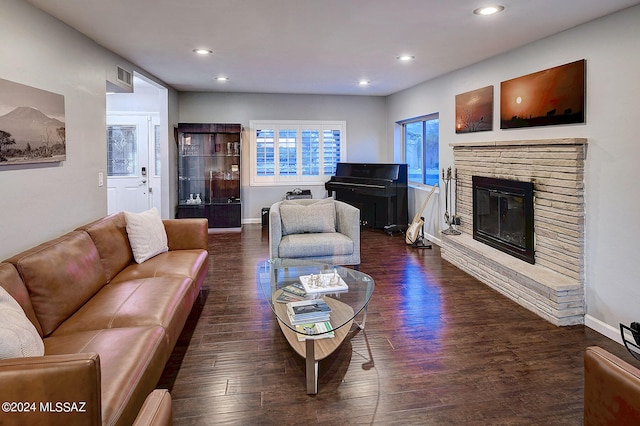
[{"x": 503, "y": 216}]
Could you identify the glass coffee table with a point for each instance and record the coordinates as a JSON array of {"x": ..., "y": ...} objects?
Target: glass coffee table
[{"x": 346, "y": 291}]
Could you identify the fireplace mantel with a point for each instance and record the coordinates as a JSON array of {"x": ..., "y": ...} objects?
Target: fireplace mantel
[
  {"x": 556, "y": 167},
  {"x": 532, "y": 142}
]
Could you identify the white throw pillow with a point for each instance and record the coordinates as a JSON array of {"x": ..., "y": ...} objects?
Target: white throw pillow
[
  {"x": 18, "y": 336},
  {"x": 147, "y": 235}
]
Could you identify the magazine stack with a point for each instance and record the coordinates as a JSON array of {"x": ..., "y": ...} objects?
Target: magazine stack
[
  {"x": 308, "y": 311},
  {"x": 310, "y": 318}
]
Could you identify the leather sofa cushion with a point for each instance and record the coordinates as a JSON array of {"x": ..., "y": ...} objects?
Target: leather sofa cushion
[
  {"x": 307, "y": 245},
  {"x": 109, "y": 234},
  {"x": 131, "y": 362},
  {"x": 163, "y": 301},
  {"x": 61, "y": 275},
  {"x": 10, "y": 281},
  {"x": 181, "y": 263}
]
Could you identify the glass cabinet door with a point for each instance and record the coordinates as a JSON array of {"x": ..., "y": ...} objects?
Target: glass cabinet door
[{"x": 209, "y": 172}]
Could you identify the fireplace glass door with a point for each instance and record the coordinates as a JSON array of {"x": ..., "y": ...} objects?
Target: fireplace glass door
[{"x": 503, "y": 215}]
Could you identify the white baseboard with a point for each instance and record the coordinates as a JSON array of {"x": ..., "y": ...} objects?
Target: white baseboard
[
  {"x": 435, "y": 240},
  {"x": 252, "y": 220},
  {"x": 603, "y": 328}
]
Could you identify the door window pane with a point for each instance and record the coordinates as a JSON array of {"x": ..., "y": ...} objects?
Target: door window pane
[
  {"x": 157, "y": 149},
  {"x": 122, "y": 152}
]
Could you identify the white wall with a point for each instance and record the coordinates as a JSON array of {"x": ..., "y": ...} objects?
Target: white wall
[
  {"x": 40, "y": 203},
  {"x": 365, "y": 117},
  {"x": 610, "y": 47}
]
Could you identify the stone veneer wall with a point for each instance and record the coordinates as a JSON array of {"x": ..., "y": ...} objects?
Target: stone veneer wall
[{"x": 554, "y": 286}]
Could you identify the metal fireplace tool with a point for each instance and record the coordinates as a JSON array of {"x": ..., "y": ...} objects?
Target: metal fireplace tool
[{"x": 453, "y": 218}]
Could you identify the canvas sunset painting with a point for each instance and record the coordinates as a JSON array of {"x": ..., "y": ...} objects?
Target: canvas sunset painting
[
  {"x": 474, "y": 110},
  {"x": 32, "y": 125},
  {"x": 549, "y": 97}
]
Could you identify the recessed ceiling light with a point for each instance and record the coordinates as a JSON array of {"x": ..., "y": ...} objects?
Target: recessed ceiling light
[
  {"x": 222, "y": 78},
  {"x": 406, "y": 58},
  {"x": 488, "y": 10},
  {"x": 203, "y": 51},
  {"x": 363, "y": 83}
]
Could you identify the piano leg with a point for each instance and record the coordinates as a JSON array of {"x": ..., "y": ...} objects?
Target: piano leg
[{"x": 391, "y": 215}]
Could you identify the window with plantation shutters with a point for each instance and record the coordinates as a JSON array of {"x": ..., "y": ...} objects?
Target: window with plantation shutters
[{"x": 295, "y": 152}]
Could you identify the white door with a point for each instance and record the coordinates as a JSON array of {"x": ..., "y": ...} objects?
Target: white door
[{"x": 128, "y": 174}]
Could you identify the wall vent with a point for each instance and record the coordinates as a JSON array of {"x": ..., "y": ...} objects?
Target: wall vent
[{"x": 124, "y": 77}]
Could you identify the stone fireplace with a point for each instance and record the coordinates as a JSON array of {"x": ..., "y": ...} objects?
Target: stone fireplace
[{"x": 552, "y": 287}]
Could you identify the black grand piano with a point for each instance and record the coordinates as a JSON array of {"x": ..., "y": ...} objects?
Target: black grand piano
[{"x": 378, "y": 190}]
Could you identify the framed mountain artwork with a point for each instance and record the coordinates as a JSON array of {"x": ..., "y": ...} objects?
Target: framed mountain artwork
[{"x": 32, "y": 125}]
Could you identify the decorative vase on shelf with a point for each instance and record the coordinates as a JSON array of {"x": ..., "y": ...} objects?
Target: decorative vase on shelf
[{"x": 198, "y": 200}]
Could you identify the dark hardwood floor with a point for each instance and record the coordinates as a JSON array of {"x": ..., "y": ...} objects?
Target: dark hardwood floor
[{"x": 439, "y": 348}]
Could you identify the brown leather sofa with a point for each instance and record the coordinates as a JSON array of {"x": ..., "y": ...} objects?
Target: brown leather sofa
[
  {"x": 108, "y": 324},
  {"x": 611, "y": 389}
]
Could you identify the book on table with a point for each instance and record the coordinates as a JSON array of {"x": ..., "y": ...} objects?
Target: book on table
[
  {"x": 308, "y": 307},
  {"x": 308, "y": 311},
  {"x": 296, "y": 289},
  {"x": 285, "y": 297},
  {"x": 307, "y": 319},
  {"x": 318, "y": 330}
]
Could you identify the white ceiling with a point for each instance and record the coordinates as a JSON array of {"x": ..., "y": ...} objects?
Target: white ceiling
[{"x": 315, "y": 46}]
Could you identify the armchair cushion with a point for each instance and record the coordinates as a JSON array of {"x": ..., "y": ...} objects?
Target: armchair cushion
[
  {"x": 308, "y": 245},
  {"x": 313, "y": 218}
]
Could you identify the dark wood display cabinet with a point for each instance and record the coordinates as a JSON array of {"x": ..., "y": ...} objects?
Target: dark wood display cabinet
[{"x": 209, "y": 173}]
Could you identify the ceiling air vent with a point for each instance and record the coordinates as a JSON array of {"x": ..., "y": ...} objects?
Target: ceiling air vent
[{"x": 124, "y": 76}]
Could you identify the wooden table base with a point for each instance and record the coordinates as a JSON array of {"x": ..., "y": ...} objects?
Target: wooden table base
[{"x": 314, "y": 350}]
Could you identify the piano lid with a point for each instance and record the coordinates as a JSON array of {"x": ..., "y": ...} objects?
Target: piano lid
[{"x": 368, "y": 170}]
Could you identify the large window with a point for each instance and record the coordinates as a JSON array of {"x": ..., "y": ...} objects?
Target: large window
[
  {"x": 291, "y": 152},
  {"x": 421, "y": 149}
]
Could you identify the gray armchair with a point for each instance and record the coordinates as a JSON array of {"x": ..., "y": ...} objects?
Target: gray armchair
[{"x": 326, "y": 231}]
